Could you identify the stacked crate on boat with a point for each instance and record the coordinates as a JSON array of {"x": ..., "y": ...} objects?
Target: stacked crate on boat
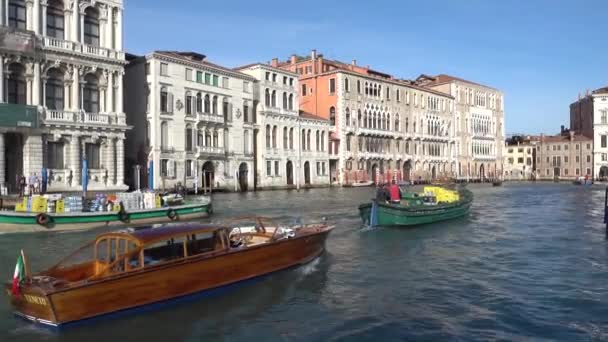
[
  {"x": 73, "y": 204},
  {"x": 442, "y": 195},
  {"x": 131, "y": 200}
]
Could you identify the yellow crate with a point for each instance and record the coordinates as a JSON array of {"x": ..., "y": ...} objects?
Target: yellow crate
[
  {"x": 19, "y": 207},
  {"x": 59, "y": 206},
  {"x": 157, "y": 201},
  {"x": 39, "y": 205}
]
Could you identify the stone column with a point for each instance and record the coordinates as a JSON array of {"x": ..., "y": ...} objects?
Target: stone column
[
  {"x": 75, "y": 160},
  {"x": 119, "y": 107},
  {"x": 2, "y": 161},
  {"x": 43, "y": 81},
  {"x": 36, "y": 17},
  {"x": 36, "y": 85},
  {"x": 110, "y": 92},
  {"x": 75, "y": 23},
  {"x": 76, "y": 90},
  {"x": 81, "y": 36},
  {"x": 29, "y": 11},
  {"x": 44, "y": 9},
  {"x": 109, "y": 28},
  {"x": 102, "y": 99},
  {"x": 118, "y": 38},
  {"x": 111, "y": 161},
  {"x": 120, "y": 161}
]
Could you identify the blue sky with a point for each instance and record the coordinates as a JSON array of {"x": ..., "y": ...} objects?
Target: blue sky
[{"x": 541, "y": 53}]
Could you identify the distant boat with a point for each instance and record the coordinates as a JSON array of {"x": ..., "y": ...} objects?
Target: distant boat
[
  {"x": 415, "y": 209},
  {"x": 131, "y": 268},
  {"x": 497, "y": 182},
  {"x": 362, "y": 184}
]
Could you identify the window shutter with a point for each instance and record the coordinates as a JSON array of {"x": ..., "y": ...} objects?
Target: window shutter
[
  {"x": 171, "y": 168},
  {"x": 170, "y": 102}
]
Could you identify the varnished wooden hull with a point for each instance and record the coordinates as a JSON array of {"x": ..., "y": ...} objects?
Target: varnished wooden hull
[{"x": 168, "y": 281}]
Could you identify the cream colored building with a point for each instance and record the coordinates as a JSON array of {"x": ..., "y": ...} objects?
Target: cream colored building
[
  {"x": 62, "y": 63},
  {"x": 194, "y": 122},
  {"x": 479, "y": 123},
  {"x": 291, "y": 147},
  {"x": 519, "y": 161}
]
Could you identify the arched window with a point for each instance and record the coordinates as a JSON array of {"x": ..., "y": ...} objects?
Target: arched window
[
  {"x": 373, "y": 120},
  {"x": 308, "y": 140},
  {"x": 164, "y": 135},
  {"x": 366, "y": 89},
  {"x": 267, "y": 97},
  {"x": 397, "y": 128},
  {"x": 188, "y": 103},
  {"x": 291, "y": 138},
  {"x": 285, "y": 138},
  {"x": 346, "y": 85},
  {"x": 90, "y": 94},
  {"x": 246, "y": 142},
  {"x": 274, "y": 137},
  {"x": 303, "y": 147},
  {"x": 359, "y": 118},
  {"x": 268, "y": 136},
  {"x": 199, "y": 103},
  {"x": 215, "y": 138},
  {"x": 226, "y": 110},
  {"x": 332, "y": 116},
  {"x": 54, "y": 89},
  {"x": 317, "y": 141},
  {"x": 358, "y": 86},
  {"x": 188, "y": 138},
  {"x": 207, "y": 104},
  {"x": 388, "y": 122},
  {"x": 274, "y": 99},
  {"x": 284, "y": 100},
  {"x": 208, "y": 138},
  {"x": 347, "y": 121},
  {"x": 290, "y": 101},
  {"x": 200, "y": 139},
  {"x": 214, "y": 105},
  {"x": 55, "y": 19},
  {"x": 323, "y": 141},
  {"x": 407, "y": 125},
  {"x": 91, "y": 26}
]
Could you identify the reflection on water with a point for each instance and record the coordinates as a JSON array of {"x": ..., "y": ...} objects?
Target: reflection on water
[{"x": 529, "y": 262}]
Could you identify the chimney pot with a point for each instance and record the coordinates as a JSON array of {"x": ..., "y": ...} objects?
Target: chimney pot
[
  {"x": 294, "y": 59},
  {"x": 275, "y": 62},
  {"x": 313, "y": 54},
  {"x": 354, "y": 62}
]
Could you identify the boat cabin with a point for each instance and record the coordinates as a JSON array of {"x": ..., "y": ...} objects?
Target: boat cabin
[{"x": 134, "y": 250}]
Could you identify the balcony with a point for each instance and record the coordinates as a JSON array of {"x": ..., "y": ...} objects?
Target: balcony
[
  {"x": 211, "y": 150},
  {"x": 82, "y": 118},
  {"x": 215, "y": 118},
  {"x": 79, "y": 48},
  {"x": 15, "y": 115}
]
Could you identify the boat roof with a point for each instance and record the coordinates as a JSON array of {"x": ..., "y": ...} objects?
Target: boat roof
[{"x": 148, "y": 234}]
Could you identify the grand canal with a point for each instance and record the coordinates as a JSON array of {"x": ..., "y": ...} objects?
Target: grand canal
[{"x": 530, "y": 262}]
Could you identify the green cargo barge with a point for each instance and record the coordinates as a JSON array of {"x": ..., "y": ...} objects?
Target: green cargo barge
[
  {"x": 413, "y": 211},
  {"x": 15, "y": 222}
]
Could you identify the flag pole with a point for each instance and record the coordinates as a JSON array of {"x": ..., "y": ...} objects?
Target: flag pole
[{"x": 26, "y": 265}]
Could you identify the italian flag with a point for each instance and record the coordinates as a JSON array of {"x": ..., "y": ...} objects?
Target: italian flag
[{"x": 19, "y": 274}]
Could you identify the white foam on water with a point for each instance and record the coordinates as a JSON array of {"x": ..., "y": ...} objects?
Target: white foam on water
[{"x": 310, "y": 268}]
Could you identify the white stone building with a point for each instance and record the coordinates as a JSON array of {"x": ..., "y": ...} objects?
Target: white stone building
[
  {"x": 479, "y": 125},
  {"x": 291, "y": 147},
  {"x": 193, "y": 122},
  {"x": 589, "y": 117},
  {"x": 520, "y": 160},
  {"x": 61, "y": 63}
]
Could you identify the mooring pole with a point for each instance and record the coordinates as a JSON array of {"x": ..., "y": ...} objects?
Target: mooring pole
[{"x": 606, "y": 211}]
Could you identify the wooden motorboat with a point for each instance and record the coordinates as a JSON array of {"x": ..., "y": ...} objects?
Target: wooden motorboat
[
  {"x": 131, "y": 268},
  {"x": 28, "y": 222},
  {"x": 414, "y": 209}
]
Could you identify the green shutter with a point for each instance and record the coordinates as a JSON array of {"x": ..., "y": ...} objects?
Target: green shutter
[
  {"x": 199, "y": 76},
  {"x": 207, "y": 78},
  {"x": 215, "y": 80}
]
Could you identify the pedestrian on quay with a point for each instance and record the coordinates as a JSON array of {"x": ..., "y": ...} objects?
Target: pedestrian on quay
[
  {"x": 32, "y": 183},
  {"x": 21, "y": 185}
]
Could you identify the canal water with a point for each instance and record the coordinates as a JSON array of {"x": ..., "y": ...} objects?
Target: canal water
[{"x": 530, "y": 262}]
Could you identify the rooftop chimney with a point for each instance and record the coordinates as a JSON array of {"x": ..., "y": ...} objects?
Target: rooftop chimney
[
  {"x": 293, "y": 59},
  {"x": 275, "y": 62},
  {"x": 354, "y": 63},
  {"x": 313, "y": 54},
  {"x": 562, "y": 129}
]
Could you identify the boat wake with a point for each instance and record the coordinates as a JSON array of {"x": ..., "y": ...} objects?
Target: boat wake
[{"x": 309, "y": 268}]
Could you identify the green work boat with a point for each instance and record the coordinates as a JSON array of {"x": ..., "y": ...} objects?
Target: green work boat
[
  {"x": 414, "y": 210},
  {"x": 14, "y": 222}
]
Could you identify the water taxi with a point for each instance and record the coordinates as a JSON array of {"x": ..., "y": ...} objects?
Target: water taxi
[
  {"x": 416, "y": 209},
  {"x": 128, "y": 269}
]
